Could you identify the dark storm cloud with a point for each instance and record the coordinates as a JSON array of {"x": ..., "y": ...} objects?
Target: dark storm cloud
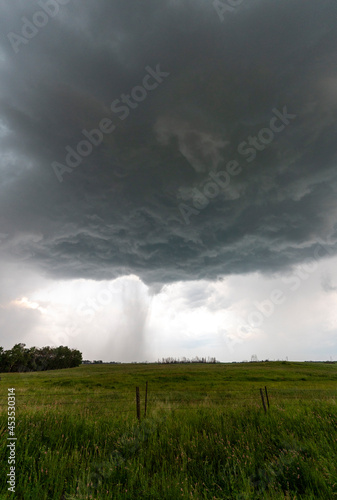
[{"x": 119, "y": 211}]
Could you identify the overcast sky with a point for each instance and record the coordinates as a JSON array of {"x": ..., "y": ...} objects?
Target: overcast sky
[{"x": 168, "y": 178}]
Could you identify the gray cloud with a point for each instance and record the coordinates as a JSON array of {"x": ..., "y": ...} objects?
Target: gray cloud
[
  {"x": 327, "y": 284},
  {"x": 118, "y": 212}
]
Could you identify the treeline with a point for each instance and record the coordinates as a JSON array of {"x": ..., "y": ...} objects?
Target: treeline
[
  {"x": 22, "y": 359},
  {"x": 186, "y": 360}
]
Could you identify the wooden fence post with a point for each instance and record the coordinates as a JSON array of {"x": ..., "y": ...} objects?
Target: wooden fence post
[
  {"x": 265, "y": 388},
  {"x": 138, "y": 403},
  {"x": 145, "y": 400},
  {"x": 264, "y": 404}
]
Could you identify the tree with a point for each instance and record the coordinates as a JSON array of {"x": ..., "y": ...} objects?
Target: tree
[
  {"x": 17, "y": 358},
  {"x": 76, "y": 358},
  {"x": 31, "y": 355},
  {"x": 20, "y": 359},
  {"x": 4, "y": 360}
]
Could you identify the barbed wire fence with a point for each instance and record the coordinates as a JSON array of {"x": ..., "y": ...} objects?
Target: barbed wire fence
[
  {"x": 128, "y": 402},
  {"x": 169, "y": 399}
]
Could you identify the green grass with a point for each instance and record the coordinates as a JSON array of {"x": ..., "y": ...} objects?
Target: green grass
[{"x": 205, "y": 435}]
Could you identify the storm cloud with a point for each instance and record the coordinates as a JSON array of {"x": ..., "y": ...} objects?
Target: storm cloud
[{"x": 163, "y": 140}]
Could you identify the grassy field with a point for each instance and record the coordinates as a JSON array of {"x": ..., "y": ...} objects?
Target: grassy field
[{"x": 205, "y": 436}]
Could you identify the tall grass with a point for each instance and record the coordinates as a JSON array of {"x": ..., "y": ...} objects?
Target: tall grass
[{"x": 182, "y": 449}]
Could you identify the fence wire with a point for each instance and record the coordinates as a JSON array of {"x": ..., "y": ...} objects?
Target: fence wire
[{"x": 154, "y": 397}]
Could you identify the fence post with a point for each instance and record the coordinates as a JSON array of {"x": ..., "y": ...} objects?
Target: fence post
[
  {"x": 138, "y": 403},
  {"x": 145, "y": 400},
  {"x": 264, "y": 404},
  {"x": 265, "y": 388}
]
